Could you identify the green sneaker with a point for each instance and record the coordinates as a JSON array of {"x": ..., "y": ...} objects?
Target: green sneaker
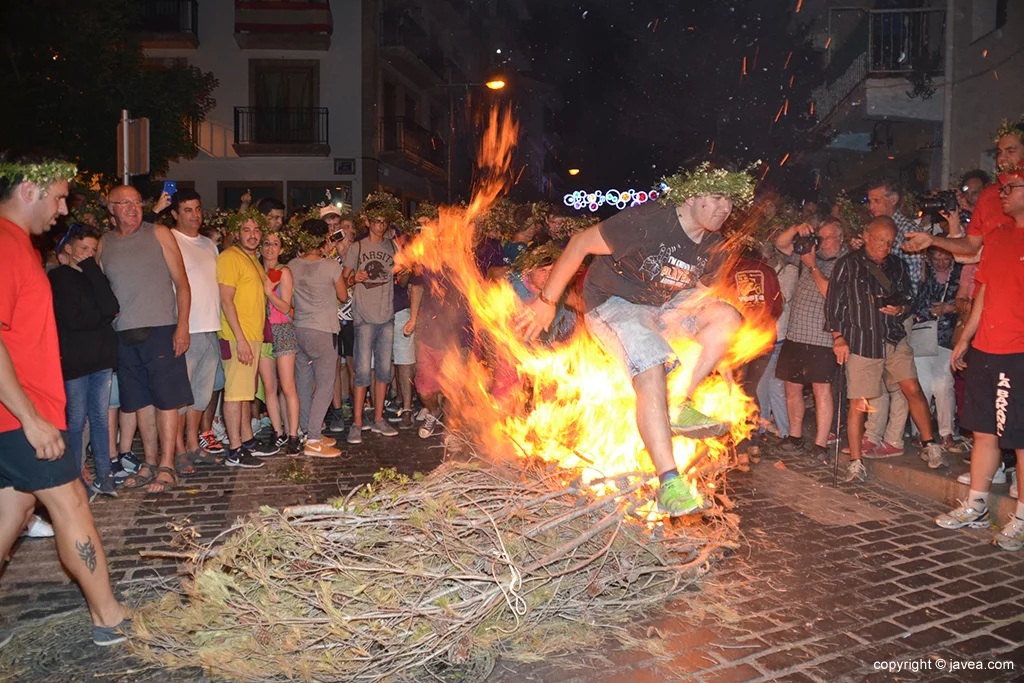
[
  {"x": 693, "y": 424},
  {"x": 674, "y": 498}
]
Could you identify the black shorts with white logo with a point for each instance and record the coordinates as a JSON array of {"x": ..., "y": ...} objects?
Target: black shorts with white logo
[{"x": 994, "y": 396}]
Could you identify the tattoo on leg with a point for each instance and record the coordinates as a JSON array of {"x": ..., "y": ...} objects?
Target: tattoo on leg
[{"x": 87, "y": 553}]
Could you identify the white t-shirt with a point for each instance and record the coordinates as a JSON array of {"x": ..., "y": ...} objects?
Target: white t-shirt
[{"x": 200, "y": 256}]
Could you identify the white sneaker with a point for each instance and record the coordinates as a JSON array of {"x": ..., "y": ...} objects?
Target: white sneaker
[
  {"x": 965, "y": 516},
  {"x": 38, "y": 528},
  {"x": 855, "y": 472},
  {"x": 1011, "y": 536},
  {"x": 934, "y": 457},
  {"x": 429, "y": 425},
  {"x": 219, "y": 431},
  {"x": 422, "y": 415},
  {"x": 998, "y": 478}
]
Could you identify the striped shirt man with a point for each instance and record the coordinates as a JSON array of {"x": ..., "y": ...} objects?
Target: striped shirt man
[{"x": 854, "y": 297}]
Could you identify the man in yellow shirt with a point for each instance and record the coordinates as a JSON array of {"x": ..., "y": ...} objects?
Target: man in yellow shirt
[{"x": 243, "y": 315}]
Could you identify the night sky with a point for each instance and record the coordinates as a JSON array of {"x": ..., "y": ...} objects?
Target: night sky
[{"x": 649, "y": 85}]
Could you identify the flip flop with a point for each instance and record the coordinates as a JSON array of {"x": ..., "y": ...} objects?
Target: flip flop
[
  {"x": 138, "y": 479},
  {"x": 167, "y": 485},
  {"x": 183, "y": 464}
]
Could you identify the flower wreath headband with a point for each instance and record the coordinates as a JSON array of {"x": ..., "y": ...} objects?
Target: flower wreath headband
[
  {"x": 43, "y": 174},
  {"x": 237, "y": 219},
  {"x": 1007, "y": 127},
  {"x": 706, "y": 179}
]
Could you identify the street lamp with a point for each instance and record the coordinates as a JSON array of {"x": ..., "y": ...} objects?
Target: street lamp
[
  {"x": 495, "y": 81},
  {"x": 574, "y": 171}
]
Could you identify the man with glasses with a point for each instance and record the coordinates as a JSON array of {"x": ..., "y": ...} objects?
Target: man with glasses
[
  {"x": 806, "y": 356},
  {"x": 886, "y": 425},
  {"x": 146, "y": 272},
  {"x": 991, "y": 353},
  {"x": 988, "y": 211},
  {"x": 868, "y": 299}
]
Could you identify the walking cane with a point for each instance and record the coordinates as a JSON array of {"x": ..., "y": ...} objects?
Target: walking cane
[{"x": 839, "y": 422}]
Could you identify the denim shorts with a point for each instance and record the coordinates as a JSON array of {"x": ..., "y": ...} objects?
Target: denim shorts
[
  {"x": 637, "y": 335},
  {"x": 373, "y": 348},
  {"x": 202, "y": 359}
]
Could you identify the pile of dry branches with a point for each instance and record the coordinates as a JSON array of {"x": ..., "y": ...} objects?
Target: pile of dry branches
[{"x": 404, "y": 574}]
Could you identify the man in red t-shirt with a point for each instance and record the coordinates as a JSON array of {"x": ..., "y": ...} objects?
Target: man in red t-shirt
[
  {"x": 988, "y": 212},
  {"x": 994, "y": 374},
  {"x": 33, "y": 191}
]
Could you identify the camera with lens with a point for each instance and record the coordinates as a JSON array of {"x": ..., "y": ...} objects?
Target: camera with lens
[
  {"x": 805, "y": 244},
  {"x": 892, "y": 299},
  {"x": 936, "y": 202}
]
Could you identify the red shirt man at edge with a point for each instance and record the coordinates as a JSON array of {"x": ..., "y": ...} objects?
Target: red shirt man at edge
[
  {"x": 994, "y": 367},
  {"x": 988, "y": 212},
  {"x": 33, "y": 191}
]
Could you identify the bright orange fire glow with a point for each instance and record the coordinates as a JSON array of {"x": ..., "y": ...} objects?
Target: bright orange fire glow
[{"x": 574, "y": 406}]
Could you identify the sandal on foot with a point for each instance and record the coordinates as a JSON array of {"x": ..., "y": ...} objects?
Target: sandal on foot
[
  {"x": 183, "y": 464},
  {"x": 166, "y": 485},
  {"x": 138, "y": 480},
  {"x": 204, "y": 457}
]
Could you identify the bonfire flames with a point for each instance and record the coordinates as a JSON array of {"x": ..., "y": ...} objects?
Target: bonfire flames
[
  {"x": 579, "y": 405},
  {"x": 538, "y": 554}
]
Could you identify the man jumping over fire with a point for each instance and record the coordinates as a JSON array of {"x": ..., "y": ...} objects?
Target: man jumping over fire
[{"x": 645, "y": 285}]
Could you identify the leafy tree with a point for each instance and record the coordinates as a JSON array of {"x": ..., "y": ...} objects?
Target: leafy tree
[{"x": 69, "y": 67}]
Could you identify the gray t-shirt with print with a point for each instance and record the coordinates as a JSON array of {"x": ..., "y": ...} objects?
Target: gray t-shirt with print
[
  {"x": 374, "y": 300},
  {"x": 315, "y": 298}
]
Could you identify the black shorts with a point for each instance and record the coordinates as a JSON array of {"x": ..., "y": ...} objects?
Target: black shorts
[
  {"x": 347, "y": 339},
  {"x": 20, "y": 469},
  {"x": 149, "y": 374},
  {"x": 994, "y": 396},
  {"x": 806, "y": 364}
]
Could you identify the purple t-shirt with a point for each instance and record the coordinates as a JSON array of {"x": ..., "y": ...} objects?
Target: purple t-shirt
[
  {"x": 401, "y": 297},
  {"x": 443, "y": 317},
  {"x": 489, "y": 255}
]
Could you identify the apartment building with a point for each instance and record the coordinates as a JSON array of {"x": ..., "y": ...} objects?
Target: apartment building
[
  {"x": 335, "y": 97},
  {"x": 914, "y": 87}
]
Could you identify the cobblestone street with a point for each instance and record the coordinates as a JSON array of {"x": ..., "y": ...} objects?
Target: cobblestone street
[{"x": 826, "y": 584}]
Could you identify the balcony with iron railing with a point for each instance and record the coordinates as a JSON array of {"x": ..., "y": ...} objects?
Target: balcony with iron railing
[
  {"x": 408, "y": 144},
  {"x": 283, "y": 24},
  {"x": 405, "y": 43},
  {"x": 898, "y": 55},
  {"x": 168, "y": 23},
  {"x": 282, "y": 131}
]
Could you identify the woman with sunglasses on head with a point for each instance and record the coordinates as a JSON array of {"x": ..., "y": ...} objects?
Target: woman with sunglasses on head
[{"x": 279, "y": 289}]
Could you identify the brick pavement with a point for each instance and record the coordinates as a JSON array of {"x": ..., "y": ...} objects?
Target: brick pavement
[{"x": 826, "y": 582}]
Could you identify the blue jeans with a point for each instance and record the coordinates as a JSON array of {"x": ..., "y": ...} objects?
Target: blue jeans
[
  {"x": 771, "y": 395},
  {"x": 374, "y": 345},
  {"x": 89, "y": 396}
]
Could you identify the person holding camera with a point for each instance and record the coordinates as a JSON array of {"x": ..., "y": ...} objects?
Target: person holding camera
[
  {"x": 867, "y": 301},
  {"x": 806, "y": 354}
]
